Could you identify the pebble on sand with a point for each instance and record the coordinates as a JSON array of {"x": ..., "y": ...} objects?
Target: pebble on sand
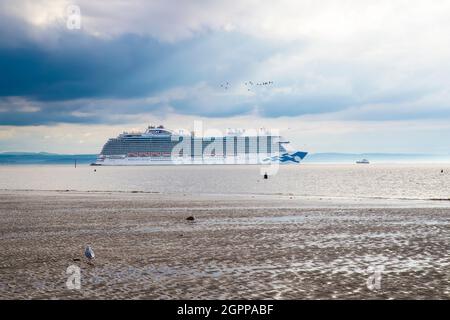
[{"x": 190, "y": 218}]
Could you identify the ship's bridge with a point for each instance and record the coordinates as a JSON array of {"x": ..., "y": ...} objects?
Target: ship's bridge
[{"x": 159, "y": 131}]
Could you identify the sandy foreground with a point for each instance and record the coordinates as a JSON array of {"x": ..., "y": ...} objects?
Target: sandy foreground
[{"x": 238, "y": 247}]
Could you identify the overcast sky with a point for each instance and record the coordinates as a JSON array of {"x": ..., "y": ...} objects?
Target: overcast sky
[{"x": 348, "y": 75}]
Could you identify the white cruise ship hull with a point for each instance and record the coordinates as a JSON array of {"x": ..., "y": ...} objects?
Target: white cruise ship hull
[{"x": 286, "y": 158}]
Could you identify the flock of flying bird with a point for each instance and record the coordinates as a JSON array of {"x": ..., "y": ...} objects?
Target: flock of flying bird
[{"x": 248, "y": 84}]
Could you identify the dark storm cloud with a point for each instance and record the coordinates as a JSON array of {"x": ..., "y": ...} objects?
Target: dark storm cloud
[
  {"x": 73, "y": 72},
  {"x": 81, "y": 67},
  {"x": 76, "y": 65}
]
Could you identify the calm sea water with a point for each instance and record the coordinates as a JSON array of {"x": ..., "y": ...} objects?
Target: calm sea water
[{"x": 352, "y": 181}]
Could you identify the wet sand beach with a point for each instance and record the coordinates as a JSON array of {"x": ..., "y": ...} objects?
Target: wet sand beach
[{"x": 238, "y": 247}]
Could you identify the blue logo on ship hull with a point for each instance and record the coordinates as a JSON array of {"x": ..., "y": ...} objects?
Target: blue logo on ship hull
[{"x": 289, "y": 157}]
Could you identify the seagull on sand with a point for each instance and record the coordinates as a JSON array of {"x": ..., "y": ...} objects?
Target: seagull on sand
[{"x": 89, "y": 253}]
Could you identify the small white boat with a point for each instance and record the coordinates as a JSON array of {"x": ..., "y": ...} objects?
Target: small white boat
[{"x": 363, "y": 161}]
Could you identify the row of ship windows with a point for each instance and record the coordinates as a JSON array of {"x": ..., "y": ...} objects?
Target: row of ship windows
[
  {"x": 181, "y": 154},
  {"x": 118, "y": 146},
  {"x": 192, "y": 151},
  {"x": 205, "y": 140},
  {"x": 199, "y": 150}
]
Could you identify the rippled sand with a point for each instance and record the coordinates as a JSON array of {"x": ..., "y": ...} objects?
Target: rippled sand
[{"x": 237, "y": 247}]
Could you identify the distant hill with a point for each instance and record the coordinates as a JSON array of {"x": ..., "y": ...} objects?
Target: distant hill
[
  {"x": 44, "y": 158},
  {"x": 26, "y": 153}
]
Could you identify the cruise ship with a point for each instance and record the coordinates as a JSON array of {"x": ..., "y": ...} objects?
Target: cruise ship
[{"x": 158, "y": 145}]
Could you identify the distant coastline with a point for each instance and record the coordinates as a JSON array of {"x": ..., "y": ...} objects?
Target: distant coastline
[{"x": 23, "y": 158}]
